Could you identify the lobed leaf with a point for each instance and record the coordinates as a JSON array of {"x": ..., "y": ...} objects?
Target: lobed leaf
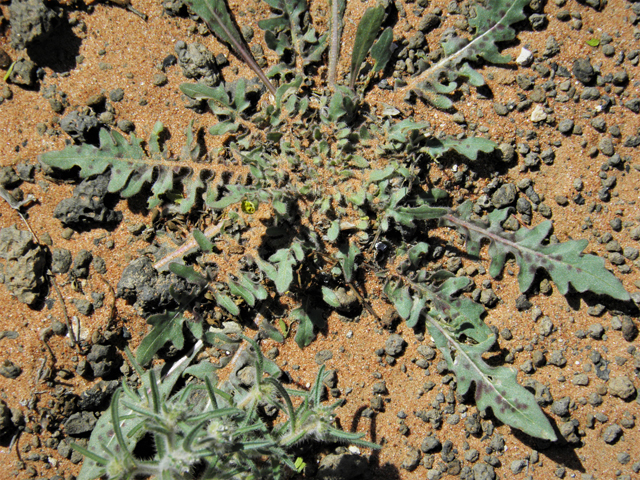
[
  {"x": 495, "y": 387},
  {"x": 130, "y": 167},
  {"x": 565, "y": 262},
  {"x": 492, "y": 24}
]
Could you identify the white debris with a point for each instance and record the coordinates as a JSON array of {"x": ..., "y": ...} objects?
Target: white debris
[
  {"x": 538, "y": 114},
  {"x": 525, "y": 58}
]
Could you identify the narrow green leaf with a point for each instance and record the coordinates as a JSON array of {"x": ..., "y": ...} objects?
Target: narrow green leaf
[
  {"x": 242, "y": 292},
  {"x": 188, "y": 273},
  {"x": 203, "y": 242},
  {"x": 227, "y": 303},
  {"x": 381, "y": 50},
  {"x": 216, "y": 15},
  {"x": 366, "y": 33}
]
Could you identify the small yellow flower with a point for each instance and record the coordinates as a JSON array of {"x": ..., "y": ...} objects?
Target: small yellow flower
[{"x": 248, "y": 206}]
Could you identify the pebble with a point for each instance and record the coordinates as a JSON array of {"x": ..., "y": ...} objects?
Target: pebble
[
  {"x": 580, "y": 379},
  {"x": 561, "y": 406},
  {"x": 116, "y": 95},
  {"x": 394, "y": 346},
  {"x": 525, "y": 58},
  {"x": 612, "y": 433},
  {"x": 538, "y": 114},
  {"x": 159, "y": 79},
  {"x": 566, "y": 126},
  {"x": 583, "y": 70},
  {"x": 606, "y": 146},
  {"x": 322, "y": 356},
  {"x": 621, "y": 387}
]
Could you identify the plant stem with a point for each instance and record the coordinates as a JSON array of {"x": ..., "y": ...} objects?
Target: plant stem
[{"x": 336, "y": 34}]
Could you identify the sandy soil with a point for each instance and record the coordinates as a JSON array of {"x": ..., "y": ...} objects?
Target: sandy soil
[{"x": 121, "y": 50}]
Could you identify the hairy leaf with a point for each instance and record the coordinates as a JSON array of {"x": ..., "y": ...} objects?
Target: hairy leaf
[
  {"x": 167, "y": 326},
  {"x": 287, "y": 31},
  {"x": 102, "y": 438},
  {"x": 467, "y": 147},
  {"x": 492, "y": 24},
  {"x": 130, "y": 166},
  {"x": 381, "y": 50},
  {"x": 565, "y": 262},
  {"x": 495, "y": 387},
  {"x": 282, "y": 272},
  {"x": 216, "y": 15},
  {"x": 306, "y": 321},
  {"x": 366, "y": 34}
]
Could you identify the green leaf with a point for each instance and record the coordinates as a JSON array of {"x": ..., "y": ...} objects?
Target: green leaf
[
  {"x": 203, "y": 242},
  {"x": 304, "y": 334},
  {"x": 366, "y": 33},
  {"x": 493, "y": 24},
  {"x": 347, "y": 260},
  {"x": 130, "y": 167},
  {"x": 416, "y": 252},
  {"x": 216, "y": 15},
  {"x": 565, "y": 262},
  {"x": 495, "y": 387},
  {"x": 593, "y": 42},
  {"x": 330, "y": 297},
  {"x": 167, "y": 326},
  {"x": 334, "y": 231},
  {"x": 381, "y": 50},
  {"x": 188, "y": 273},
  {"x": 225, "y": 302},
  {"x": 467, "y": 147},
  {"x": 242, "y": 292},
  {"x": 399, "y": 294},
  {"x": 282, "y": 275}
]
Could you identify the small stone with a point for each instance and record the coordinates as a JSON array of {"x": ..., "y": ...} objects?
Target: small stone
[
  {"x": 116, "y": 95},
  {"x": 525, "y": 58},
  {"x": 127, "y": 126},
  {"x": 623, "y": 458},
  {"x": 557, "y": 358},
  {"x": 503, "y": 197},
  {"x": 159, "y": 79},
  {"x": 517, "y": 466},
  {"x": 538, "y": 114},
  {"x": 596, "y": 331},
  {"x": 500, "y": 109},
  {"x": 322, "y": 356},
  {"x": 583, "y": 70},
  {"x": 606, "y": 146},
  {"x": 10, "y": 370},
  {"x": 629, "y": 329},
  {"x": 612, "y": 433},
  {"x": 580, "y": 380},
  {"x": 430, "y": 444},
  {"x": 621, "y": 387},
  {"x": 596, "y": 310},
  {"x": 394, "y": 346},
  {"x": 566, "y": 126},
  {"x": 560, "y": 407}
]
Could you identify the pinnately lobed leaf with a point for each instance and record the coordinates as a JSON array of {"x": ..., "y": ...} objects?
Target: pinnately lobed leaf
[
  {"x": 565, "y": 262},
  {"x": 495, "y": 387},
  {"x": 130, "y": 166},
  {"x": 492, "y": 24}
]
